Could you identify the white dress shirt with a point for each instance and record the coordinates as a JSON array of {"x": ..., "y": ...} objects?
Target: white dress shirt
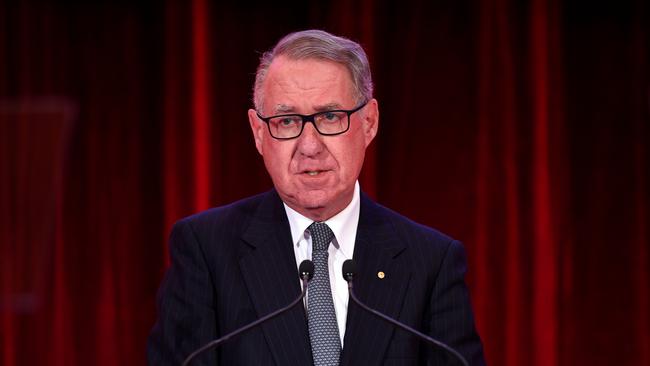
[{"x": 344, "y": 226}]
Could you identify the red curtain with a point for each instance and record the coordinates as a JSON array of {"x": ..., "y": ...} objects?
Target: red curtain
[{"x": 518, "y": 127}]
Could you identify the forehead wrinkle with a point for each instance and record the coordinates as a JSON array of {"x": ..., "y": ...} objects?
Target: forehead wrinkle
[{"x": 288, "y": 83}]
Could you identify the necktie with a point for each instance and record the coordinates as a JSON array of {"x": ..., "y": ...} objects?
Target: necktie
[{"x": 323, "y": 329}]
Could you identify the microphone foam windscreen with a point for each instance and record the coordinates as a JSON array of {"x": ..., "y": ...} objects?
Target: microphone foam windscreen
[
  {"x": 306, "y": 269},
  {"x": 349, "y": 269}
]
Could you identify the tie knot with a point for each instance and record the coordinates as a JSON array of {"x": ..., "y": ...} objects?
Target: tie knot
[{"x": 321, "y": 235}]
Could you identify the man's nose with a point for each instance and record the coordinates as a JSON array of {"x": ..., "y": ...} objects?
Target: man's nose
[{"x": 310, "y": 142}]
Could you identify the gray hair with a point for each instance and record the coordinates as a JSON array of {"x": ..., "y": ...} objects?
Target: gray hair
[{"x": 320, "y": 45}]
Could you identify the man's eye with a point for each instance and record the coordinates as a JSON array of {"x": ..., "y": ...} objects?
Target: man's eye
[
  {"x": 331, "y": 116},
  {"x": 288, "y": 121}
]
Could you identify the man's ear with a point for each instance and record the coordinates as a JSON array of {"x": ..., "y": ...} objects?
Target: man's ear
[
  {"x": 371, "y": 120},
  {"x": 258, "y": 129}
]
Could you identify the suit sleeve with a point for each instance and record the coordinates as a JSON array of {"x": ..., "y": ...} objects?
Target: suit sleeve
[
  {"x": 186, "y": 317},
  {"x": 452, "y": 320}
]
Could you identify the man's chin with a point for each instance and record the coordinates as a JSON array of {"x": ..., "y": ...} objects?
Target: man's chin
[
  {"x": 310, "y": 204},
  {"x": 319, "y": 206},
  {"x": 313, "y": 201}
]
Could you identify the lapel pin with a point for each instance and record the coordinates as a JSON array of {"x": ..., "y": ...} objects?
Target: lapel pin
[{"x": 381, "y": 275}]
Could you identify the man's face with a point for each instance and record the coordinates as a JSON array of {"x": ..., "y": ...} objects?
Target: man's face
[{"x": 314, "y": 174}]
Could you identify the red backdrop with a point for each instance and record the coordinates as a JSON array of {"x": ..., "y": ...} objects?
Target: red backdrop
[{"x": 518, "y": 127}]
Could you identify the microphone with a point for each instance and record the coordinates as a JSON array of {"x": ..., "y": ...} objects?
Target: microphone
[
  {"x": 349, "y": 270},
  {"x": 305, "y": 271}
]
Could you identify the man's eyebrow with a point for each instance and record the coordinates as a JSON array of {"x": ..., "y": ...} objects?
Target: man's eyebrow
[
  {"x": 283, "y": 108},
  {"x": 327, "y": 107}
]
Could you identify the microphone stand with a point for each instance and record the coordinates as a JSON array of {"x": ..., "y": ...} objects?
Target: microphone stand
[
  {"x": 236, "y": 332},
  {"x": 405, "y": 327}
]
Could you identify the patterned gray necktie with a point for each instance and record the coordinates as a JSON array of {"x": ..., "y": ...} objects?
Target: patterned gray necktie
[{"x": 323, "y": 328}]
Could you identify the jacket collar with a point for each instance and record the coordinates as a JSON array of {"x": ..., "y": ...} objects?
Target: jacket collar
[
  {"x": 268, "y": 264},
  {"x": 377, "y": 249}
]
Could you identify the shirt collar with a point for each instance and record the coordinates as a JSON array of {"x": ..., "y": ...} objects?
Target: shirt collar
[{"x": 343, "y": 224}]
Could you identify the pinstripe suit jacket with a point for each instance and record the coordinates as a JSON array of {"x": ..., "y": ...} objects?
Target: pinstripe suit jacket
[{"x": 233, "y": 264}]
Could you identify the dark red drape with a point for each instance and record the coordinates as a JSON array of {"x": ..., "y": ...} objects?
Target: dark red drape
[{"x": 520, "y": 128}]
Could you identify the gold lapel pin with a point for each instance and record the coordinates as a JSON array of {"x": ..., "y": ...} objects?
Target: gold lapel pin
[{"x": 381, "y": 275}]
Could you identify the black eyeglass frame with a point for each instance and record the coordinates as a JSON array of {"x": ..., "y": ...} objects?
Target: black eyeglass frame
[{"x": 310, "y": 118}]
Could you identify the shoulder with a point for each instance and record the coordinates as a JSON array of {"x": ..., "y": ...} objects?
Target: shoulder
[
  {"x": 235, "y": 210},
  {"x": 400, "y": 223},
  {"x": 424, "y": 240},
  {"x": 224, "y": 220}
]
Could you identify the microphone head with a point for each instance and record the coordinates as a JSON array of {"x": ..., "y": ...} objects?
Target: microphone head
[
  {"x": 349, "y": 270},
  {"x": 306, "y": 270}
]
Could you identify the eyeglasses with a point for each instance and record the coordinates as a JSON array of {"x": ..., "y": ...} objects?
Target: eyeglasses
[{"x": 327, "y": 123}]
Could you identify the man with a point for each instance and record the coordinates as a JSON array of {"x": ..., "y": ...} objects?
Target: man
[{"x": 314, "y": 117}]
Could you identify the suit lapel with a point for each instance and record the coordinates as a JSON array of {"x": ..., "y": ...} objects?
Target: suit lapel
[
  {"x": 268, "y": 265},
  {"x": 377, "y": 249}
]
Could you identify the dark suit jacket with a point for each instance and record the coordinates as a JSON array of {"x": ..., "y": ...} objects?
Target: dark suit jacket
[{"x": 234, "y": 264}]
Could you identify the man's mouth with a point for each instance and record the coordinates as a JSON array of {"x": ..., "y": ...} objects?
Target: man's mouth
[{"x": 314, "y": 172}]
